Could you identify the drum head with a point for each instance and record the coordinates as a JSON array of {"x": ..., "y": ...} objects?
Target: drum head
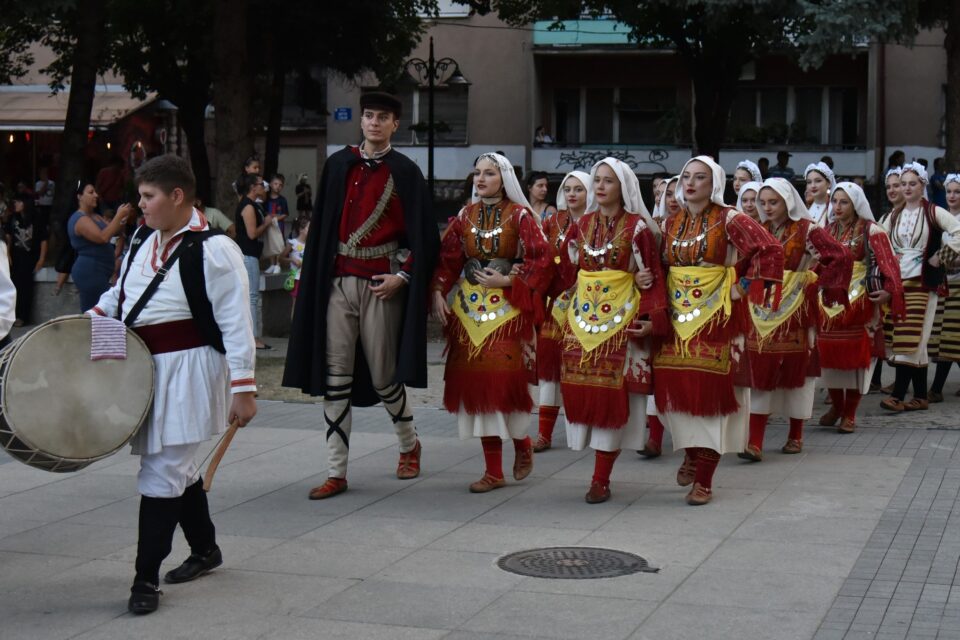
[{"x": 64, "y": 404}]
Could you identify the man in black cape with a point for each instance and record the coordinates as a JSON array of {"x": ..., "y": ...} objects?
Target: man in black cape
[{"x": 359, "y": 324}]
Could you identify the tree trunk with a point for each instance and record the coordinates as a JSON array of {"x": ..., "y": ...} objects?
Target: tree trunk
[
  {"x": 714, "y": 90},
  {"x": 232, "y": 95},
  {"x": 91, "y": 17},
  {"x": 952, "y": 45},
  {"x": 271, "y": 157},
  {"x": 193, "y": 122}
]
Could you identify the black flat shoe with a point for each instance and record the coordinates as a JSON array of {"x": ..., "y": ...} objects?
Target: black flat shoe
[
  {"x": 144, "y": 598},
  {"x": 194, "y": 567}
]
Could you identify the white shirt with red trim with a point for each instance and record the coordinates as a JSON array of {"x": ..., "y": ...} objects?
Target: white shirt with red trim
[{"x": 227, "y": 289}]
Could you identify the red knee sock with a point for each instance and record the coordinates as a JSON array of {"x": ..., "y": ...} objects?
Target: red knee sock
[
  {"x": 522, "y": 444},
  {"x": 548, "y": 418},
  {"x": 603, "y": 466},
  {"x": 850, "y": 404},
  {"x": 707, "y": 461},
  {"x": 836, "y": 397},
  {"x": 796, "y": 429},
  {"x": 656, "y": 430},
  {"x": 493, "y": 455},
  {"x": 758, "y": 426}
]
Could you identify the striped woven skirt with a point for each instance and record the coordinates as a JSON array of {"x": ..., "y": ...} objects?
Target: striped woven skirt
[
  {"x": 907, "y": 341},
  {"x": 945, "y": 338}
]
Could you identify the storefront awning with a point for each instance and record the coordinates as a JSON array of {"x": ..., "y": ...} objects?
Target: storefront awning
[{"x": 33, "y": 108}]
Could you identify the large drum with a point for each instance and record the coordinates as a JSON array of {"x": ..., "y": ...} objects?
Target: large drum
[{"x": 61, "y": 411}]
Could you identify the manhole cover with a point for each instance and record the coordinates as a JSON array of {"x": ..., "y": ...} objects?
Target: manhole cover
[{"x": 574, "y": 563}]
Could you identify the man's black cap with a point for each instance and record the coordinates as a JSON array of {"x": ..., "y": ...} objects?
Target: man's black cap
[{"x": 380, "y": 100}]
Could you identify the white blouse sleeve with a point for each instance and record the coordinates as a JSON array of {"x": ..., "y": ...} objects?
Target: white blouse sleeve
[
  {"x": 8, "y": 294},
  {"x": 228, "y": 291}
]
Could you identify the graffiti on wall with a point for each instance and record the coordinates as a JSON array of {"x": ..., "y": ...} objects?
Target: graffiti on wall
[{"x": 584, "y": 159}]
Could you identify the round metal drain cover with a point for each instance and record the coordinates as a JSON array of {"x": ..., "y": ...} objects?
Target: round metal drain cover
[{"x": 574, "y": 563}]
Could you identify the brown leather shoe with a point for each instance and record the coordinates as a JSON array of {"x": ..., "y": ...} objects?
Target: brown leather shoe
[
  {"x": 792, "y": 446},
  {"x": 487, "y": 483},
  {"x": 686, "y": 472},
  {"x": 523, "y": 463},
  {"x": 916, "y": 404},
  {"x": 542, "y": 444},
  {"x": 846, "y": 426},
  {"x": 409, "y": 465},
  {"x": 751, "y": 453},
  {"x": 830, "y": 418},
  {"x": 328, "y": 489},
  {"x": 598, "y": 493},
  {"x": 651, "y": 450},
  {"x": 892, "y": 404},
  {"x": 699, "y": 495}
]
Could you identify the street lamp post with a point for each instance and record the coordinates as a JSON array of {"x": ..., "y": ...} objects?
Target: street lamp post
[{"x": 432, "y": 70}]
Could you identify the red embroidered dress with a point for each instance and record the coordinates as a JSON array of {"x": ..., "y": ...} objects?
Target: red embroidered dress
[
  {"x": 850, "y": 337},
  {"x": 696, "y": 376},
  {"x": 492, "y": 376},
  {"x": 595, "y": 384},
  {"x": 557, "y": 228},
  {"x": 784, "y": 358}
]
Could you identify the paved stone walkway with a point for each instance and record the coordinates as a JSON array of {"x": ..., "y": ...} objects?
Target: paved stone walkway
[{"x": 854, "y": 538}]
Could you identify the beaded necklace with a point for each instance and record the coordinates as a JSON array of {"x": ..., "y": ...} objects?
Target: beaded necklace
[
  {"x": 488, "y": 227},
  {"x": 848, "y": 235},
  {"x": 690, "y": 251},
  {"x": 604, "y": 236}
]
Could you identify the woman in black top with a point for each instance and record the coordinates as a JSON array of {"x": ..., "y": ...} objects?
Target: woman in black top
[
  {"x": 26, "y": 236},
  {"x": 251, "y": 225}
]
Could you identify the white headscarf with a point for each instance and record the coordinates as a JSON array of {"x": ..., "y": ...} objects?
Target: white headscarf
[
  {"x": 918, "y": 169},
  {"x": 951, "y": 177},
  {"x": 511, "y": 186},
  {"x": 583, "y": 177},
  {"x": 660, "y": 209},
  {"x": 796, "y": 209},
  {"x": 747, "y": 186},
  {"x": 893, "y": 171},
  {"x": 859, "y": 199},
  {"x": 629, "y": 191},
  {"x": 751, "y": 168},
  {"x": 823, "y": 169},
  {"x": 719, "y": 180}
]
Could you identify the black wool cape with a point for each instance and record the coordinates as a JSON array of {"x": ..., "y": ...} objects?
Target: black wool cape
[{"x": 306, "y": 366}]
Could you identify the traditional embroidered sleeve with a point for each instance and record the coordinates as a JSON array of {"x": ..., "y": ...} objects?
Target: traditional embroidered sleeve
[
  {"x": 835, "y": 265},
  {"x": 451, "y": 260},
  {"x": 653, "y": 301},
  {"x": 889, "y": 267},
  {"x": 531, "y": 283},
  {"x": 229, "y": 295},
  {"x": 763, "y": 252},
  {"x": 8, "y": 293},
  {"x": 950, "y": 250}
]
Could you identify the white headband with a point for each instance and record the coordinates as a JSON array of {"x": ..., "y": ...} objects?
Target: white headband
[
  {"x": 511, "y": 186},
  {"x": 951, "y": 177},
  {"x": 751, "y": 168},
  {"x": 584, "y": 179},
  {"x": 918, "y": 169},
  {"x": 823, "y": 169},
  {"x": 893, "y": 171}
]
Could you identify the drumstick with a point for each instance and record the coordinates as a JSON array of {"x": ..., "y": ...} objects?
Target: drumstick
[{"x": 218, "y": 454}]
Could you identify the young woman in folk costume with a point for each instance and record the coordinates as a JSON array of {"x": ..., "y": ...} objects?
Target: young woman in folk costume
[
  {"x": 782, "y": 341},
  {"x": 571, "y": 204},
  {"x": 746, "y": 171},
  {"x": 697, "y": 399},
  {"x": 613, "y": 260},
  {"x": 944, "y": 346},
  {"x": 925, "y": 239},
  {"x": 851, "y": 337},
  {"x": 747, "y": 199},
  {"x": 894, "y": 192},
  {"x": 666, "y": 207},
  {"x": 490, "y": 328},
  {"x": 820, "y": 183}
]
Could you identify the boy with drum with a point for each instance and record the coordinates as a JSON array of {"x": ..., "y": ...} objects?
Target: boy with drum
[{"x": 197, "y": 325}]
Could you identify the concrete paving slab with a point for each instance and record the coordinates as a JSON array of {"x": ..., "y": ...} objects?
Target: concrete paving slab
[
  {"x": 374, "y": 531},
  {"x": 832, "y": 560},
  {"x": 501, "y": 539},
  {"x": 674, "y": 621},
  {"x": 436, "y": 567},
  {"x": 327, "y": 559},
  {"x": 757, "y": 589}
]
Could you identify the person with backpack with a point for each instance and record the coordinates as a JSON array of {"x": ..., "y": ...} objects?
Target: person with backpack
[{"x": 183, "y": 290}]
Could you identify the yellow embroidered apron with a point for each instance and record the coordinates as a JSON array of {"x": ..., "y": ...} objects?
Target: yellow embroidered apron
[
  {"x": 697, "y": 295},
  {"x": 481, "y": 311},
  {"x": 766, "y": 320},
  {"x": 856, "y": 290},
  {"x": 604, "y": 304}
]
